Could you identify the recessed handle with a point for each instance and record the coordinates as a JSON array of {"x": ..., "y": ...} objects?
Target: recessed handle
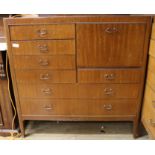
[
  {"x": 43, "y": 48},
  {"x": 107, "y": 107},
  {"x": 152, "y": 122},
  {"x": 47, "y": 91},
  {"x": 111, "y": 30},
  {"x": 44, "y": 76},
  {"x": 43, "y": 62},
  {"x": 109, "y": 76},
  {"x": 42, "y": 32}
]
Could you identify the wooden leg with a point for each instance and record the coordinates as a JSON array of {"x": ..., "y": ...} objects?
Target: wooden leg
[
  {"x": 22, "y": 129},
  {"x": 136, "y": 128}
]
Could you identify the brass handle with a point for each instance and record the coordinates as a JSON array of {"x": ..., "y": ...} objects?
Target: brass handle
[
  {"x": 47, "y": 91},
  {"x": 48, "y": 108},
  {"x": 107, "y": 106},
  {"x": 43, "y": 48},
  {"x": 111, "y": 30},
  {"x": 108, "y": 91},
  {"x": 42, "y": 32},
  {"x": 109, "y": 76},
  {"x": 44, "y": 76},
  {"x": 152, "y": 122},
  {"x": 43, "y": 62}
]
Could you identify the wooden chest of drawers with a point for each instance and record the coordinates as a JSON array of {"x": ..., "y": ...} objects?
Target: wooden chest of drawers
[{"x": 88, "y": 68}]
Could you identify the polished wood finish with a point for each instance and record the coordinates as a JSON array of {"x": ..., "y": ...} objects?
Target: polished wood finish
[
  {"x": 110, "y": 45},
  {"x": 45, "y": 76},
  {"x": 43, "y": 47},
  {"x": 56, "y": 31},
  {"x": 103, "y": 46},
  {"x": 109, "y": 75}
]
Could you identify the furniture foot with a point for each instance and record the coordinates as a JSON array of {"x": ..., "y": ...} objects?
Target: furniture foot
[
  {"x": 22, "y": 129},
  {"x": 136, "y": 129}
]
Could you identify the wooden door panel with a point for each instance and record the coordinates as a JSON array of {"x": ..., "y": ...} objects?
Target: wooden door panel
[{"x": 110, "y": 45}]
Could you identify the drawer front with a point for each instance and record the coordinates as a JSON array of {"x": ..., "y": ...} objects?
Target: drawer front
[
  {"x": 45, "y": 76},
  {"x": 109, "y": 76},
  {"x": 152, "y": 48},
  {"x": 44, "y": 62},
  {"x": 30, "y": 32},
  {"x": 113, "y": 91},
  {"x": 110, "y": 45},
  {"x": 77, "y": 107},
  {"x": 43, "y": 47}
]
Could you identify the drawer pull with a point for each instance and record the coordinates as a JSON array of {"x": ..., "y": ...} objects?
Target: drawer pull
[
  {"x": 42, "y": 32},
  {"x": 47, "y": 91},
  {"x": 107, "y": 106},
  {"x": 44, "y": 76},
  {"x": 111, "y": 30},
  {"x": 43, "y": 48},
  {"x": 152, "y": 122},
  {"x": 48, "y": 108},
  {"x": 43, "y": 62},
  {"x": 109, "y": 76},
  {"x": 108, "y": 91}
]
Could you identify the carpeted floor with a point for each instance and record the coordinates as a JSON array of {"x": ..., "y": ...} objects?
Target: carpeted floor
[{"x": 48, "y": 130}]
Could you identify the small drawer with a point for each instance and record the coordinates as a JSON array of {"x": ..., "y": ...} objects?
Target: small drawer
[
  {"x": 53, "y": 31},
  {"x": 109, "y": 76},
  {"x": 43, "y": 47},
  {"x": 45, "y": 76},
  {"x": 87, "y": 91},
  {"x": 152, "y": 48},
  {"x": 44, "y": 62},
  {"x": 77, "y": 107}
]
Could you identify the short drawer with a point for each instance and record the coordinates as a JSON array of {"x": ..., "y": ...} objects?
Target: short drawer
[
  {"x": 44, "y": 62},
  {"x": 53, "y": 31},
  {"x": 94, "y": 91},
  {"x": 109, "y": 76},
  {"x": 77, "y": 107},
  {"x": 45, "y": 76},
  {"x": 43, "y": 47}
]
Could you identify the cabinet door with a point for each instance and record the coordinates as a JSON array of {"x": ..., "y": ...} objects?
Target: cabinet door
[{"x": 109, "y": 45}]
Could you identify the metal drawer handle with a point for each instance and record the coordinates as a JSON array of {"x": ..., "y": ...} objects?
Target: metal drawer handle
[
  {"x": 47, "y": 91},
  {"x": 43, "y": 48},
  {"x": 109, "y": 76},
  {"x": 48, "y": 108},
  {"x": 43, "y": 62},
  {"x": 107, "y": 106},
  {"x": 111, "y": 30},
  {"x": 108, "y": 91},
  {"x": 44, "y": 76},
  {"x": 42, "y": 32},
  {"x": 152, "y": 122}
]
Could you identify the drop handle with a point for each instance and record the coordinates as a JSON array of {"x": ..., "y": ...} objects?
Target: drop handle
[
  {"x": 43, "y": 48},
  {"x": 44, "y": 76},
  {"x": 42, "y": 32},
  {"x": 47, "y": 91},
  {"x": 111, "y": 30},
  {"x": 152, "y": 122},
  {"x": 109, "y": 76},
  {"x": 48, "y": 108},
  {"x": 108, "y": 91},
  {"x": 43, "y": 62},
  {"x": 107, "y": 107}
]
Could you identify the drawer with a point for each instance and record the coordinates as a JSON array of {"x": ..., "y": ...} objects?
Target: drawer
[
  {"x": 45, "y": 76},
  {"x": 43, "y": 47},
  {"x": 152, "y": 48},
  {"x": 151, "y": 64},
  {"x": 44, "y": 62},
  {"x": 77, "y": 107},
  {"x": 151, "y": 78},
  {"x": 109, "y": 76},
  {"x": 53, "y": 31},
  {"x": 116, "y": 91}
]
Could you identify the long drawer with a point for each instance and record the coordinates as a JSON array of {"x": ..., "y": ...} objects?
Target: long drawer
[
  {"x": 148, "y": 116},
  {"x": 45, "y": 76},
  {"x": 52, "y": 31},
  {"x": 43, "y": 47},
  {"x": 77, "y": 107},
  {"x": 111, "y": 91},
  {"x": 44, "y": 62},
  {"x": 109, "y": 76}
]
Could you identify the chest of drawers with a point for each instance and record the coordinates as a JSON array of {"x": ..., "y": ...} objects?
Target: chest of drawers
[{"x": 78, "y": 68}]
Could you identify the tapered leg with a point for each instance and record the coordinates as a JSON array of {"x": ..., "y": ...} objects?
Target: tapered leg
[
  {"x": 136, "y": 128},
  {"x": 22, "y": 129}
]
